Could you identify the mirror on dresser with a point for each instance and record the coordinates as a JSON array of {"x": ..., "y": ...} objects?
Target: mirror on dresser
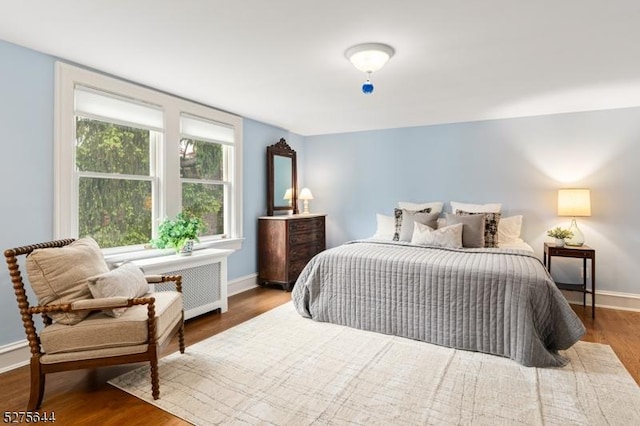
[{"x": 282, "y": 190}]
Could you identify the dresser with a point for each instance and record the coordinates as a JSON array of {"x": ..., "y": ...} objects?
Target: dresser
[{"x": 286, "y": 244}]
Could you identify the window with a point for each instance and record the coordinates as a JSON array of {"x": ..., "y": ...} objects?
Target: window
[
  {"x": 128, "y": 156},
  {"x": 206, "y": 159}
]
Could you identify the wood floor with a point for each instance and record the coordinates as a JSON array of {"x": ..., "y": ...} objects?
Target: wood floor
[{"x": 85, "y": 397}]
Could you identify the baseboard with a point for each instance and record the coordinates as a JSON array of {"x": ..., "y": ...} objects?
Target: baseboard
[
  {"x": 14, "y": 355},
  {"x": 241, "y": 284},
  {"x": 607, "y": 299}
]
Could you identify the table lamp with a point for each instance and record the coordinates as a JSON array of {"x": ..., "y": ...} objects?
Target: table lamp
[
  {"x": 306, "y": 195},
  {"x": 574, "y": 202}
]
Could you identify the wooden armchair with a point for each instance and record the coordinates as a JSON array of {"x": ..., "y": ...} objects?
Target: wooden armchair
[{"x": 139, "y": 334}]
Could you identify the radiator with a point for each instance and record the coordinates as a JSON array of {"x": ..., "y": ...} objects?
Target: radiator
[{"x": 204, "y": 278}]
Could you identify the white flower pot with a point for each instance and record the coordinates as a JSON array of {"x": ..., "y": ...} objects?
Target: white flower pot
[
  {"x": 187, "y": 248},
  {"x": 559, "y": 242}
]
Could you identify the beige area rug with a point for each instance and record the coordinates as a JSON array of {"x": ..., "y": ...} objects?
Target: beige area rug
[{"x": 282, "y": 369}]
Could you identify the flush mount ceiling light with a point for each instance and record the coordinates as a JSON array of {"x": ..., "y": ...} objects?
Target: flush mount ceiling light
[{"x": 369, "y": 58}]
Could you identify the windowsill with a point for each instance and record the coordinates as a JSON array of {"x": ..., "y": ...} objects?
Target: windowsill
[{"x": 139, "y": 252}]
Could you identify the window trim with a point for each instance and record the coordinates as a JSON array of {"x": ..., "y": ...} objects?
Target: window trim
[{"x": 65, "y": 212}]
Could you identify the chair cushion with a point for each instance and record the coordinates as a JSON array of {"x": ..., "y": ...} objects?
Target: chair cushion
[
  {"x": 100, "y": 331},
  {"x": 127, "y": 280},
  {"x": 59, "y": 275}
]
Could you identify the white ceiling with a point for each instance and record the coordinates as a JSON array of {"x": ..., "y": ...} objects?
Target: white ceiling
[{"x": 282, "y": 61}]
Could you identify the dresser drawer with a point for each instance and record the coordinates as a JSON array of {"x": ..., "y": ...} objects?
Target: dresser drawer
[
  {"x": 295, "y": 268},
  {"x": 307, "y": 238},
  {"x": 303, "y": 226},
  {"x": 306, "y": 252}
]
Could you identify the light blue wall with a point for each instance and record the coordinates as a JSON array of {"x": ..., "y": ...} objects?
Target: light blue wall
[
  {"x": 26, "y": 166},
  {"x": 518, "y": 162}
]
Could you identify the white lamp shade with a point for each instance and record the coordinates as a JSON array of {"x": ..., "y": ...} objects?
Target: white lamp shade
[
  {"x": 305, "y": 194},
  {"x": 369, "y": 57},
  {"x": 288, "y": 194},
  {"x": 574, "y": 202}
]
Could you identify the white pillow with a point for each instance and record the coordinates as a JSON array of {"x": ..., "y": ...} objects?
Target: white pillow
[
  {"x": 475, "y": 208},
  {"x": 127, "y": 280},
  {"x": 435, "y": 206},
  {"x": 386, "y": 227},
  {"x": 449, "y": 236},
  {"x": 442, "y": 222},
  {"x": 509, "y": 229}
]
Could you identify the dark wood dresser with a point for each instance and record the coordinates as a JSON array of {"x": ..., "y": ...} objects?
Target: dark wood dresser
[{"x": 286, "y": 244}]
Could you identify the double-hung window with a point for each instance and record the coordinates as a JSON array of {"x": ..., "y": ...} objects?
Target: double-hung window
[
  {"x": 206, "y": 167},
  {"x": 127, "y": 156}
]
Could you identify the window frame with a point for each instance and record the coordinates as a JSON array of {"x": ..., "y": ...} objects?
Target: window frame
[{"x": 167, "y": 182}]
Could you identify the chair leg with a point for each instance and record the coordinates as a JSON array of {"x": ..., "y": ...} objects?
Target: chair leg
[
  {"x": 155, "y": 379},
  {"x": 37, "y": 385},
  {"x": 181, "y": 335}
]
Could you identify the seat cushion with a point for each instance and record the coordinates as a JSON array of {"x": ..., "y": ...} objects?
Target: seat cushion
[
  {"x": 100, "y": 331},
  {"x": 59, "y": 275}
]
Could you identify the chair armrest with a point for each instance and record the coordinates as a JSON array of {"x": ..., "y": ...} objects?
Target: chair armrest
[
  {"x": 97, "y": 304},
  {"x": 93, "y": 305},
  {"x": 153, "y": 279},
  {"x": 111, "y": 302},
  {"x": 63, "y": 307}
]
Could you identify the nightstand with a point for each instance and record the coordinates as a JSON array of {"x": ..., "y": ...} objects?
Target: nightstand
[{"x": 581, "y": 252}]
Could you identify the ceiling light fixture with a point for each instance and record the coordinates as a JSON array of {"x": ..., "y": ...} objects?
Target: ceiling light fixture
[{"x": 369, "y": 58}]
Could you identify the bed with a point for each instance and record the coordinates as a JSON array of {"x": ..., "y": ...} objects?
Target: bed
[{"x": 499, "y": 301}]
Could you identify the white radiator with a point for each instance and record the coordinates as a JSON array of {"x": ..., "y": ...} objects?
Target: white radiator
[{"x": 204, "y": 278}]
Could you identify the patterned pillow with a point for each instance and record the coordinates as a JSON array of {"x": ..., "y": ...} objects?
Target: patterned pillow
[
  {"x": 490, "y": 227},
  {"x": 405, "y": 219}
]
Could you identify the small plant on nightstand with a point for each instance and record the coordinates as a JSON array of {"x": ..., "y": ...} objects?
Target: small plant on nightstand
[{"x": 559, "y": 234}]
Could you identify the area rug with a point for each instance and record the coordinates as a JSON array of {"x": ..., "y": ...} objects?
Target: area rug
[{"x": 282, "y": 369}]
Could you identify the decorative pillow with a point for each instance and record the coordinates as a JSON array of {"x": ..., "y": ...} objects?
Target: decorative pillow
[
  {"x": 490, "y": 227},
  {"x": 406, "y": 218},
  {"x": 386, "y": 227},
  {"x": 435, "y": 206},
  {"x": 476, "y": 208},
  {"x": 449, "y": 236},
  {"x": 59, "y": 275},
  {"x": 473, "y": 230},
  {"x": 509, "y": 229},
  {"x": 127, "y": 280}
]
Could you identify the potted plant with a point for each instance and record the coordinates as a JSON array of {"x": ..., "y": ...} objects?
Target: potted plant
[
  {"x": 559, "y": 234},
  {"x": 179, "y": 233}
]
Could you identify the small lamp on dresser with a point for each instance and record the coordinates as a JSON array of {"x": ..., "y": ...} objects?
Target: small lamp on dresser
[
  {"x": 574, "y": 202},
  {"x": 306, "y": 195}
]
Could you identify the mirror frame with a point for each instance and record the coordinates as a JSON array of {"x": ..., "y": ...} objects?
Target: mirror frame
[{"x": 281, "y": 148}]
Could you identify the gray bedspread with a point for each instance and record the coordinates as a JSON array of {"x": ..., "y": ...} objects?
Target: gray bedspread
[{"x": 496, "y": 301}]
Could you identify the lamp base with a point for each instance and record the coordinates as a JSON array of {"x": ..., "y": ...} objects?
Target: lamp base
[
  {"x": 578, "y": 237},
  {"x": 305, "y": 207}
]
